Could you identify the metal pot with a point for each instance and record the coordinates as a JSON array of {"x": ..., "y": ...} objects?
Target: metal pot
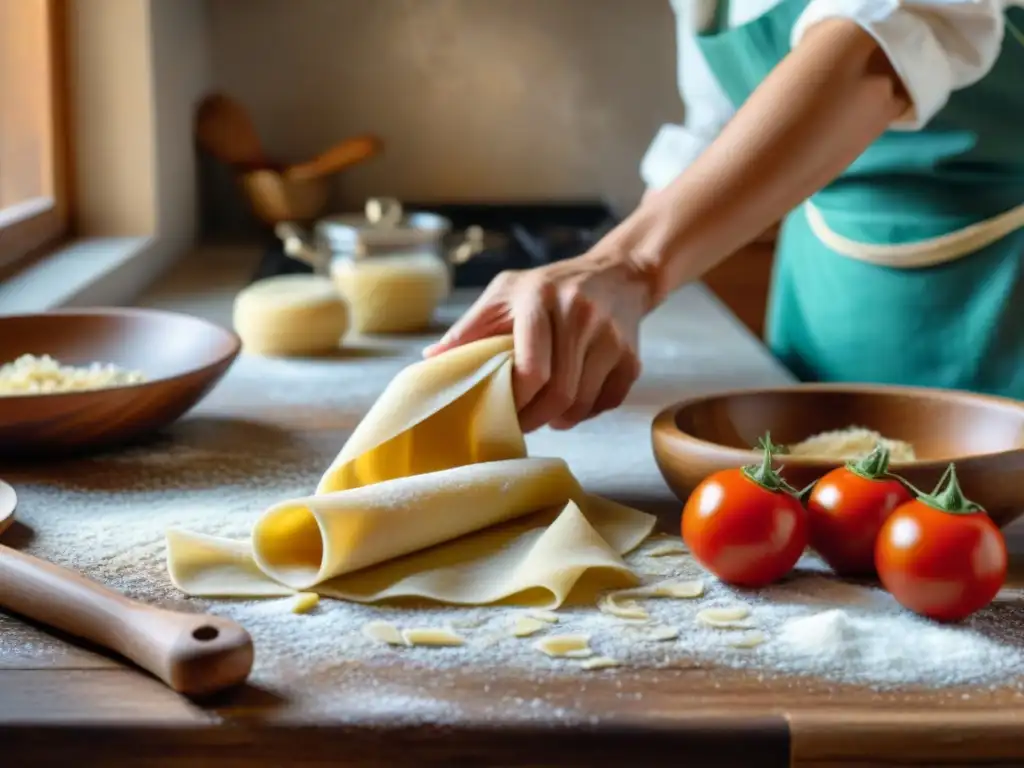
[
  {"x": 383, "y": 230},
  {"x": 393, "y": 269}
]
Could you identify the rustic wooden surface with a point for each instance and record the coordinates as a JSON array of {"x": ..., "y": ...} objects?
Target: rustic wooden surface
[{"x": 66, "y": 704}]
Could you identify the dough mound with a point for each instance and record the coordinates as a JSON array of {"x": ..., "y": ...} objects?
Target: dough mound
[{"x": 290, "y": 315}]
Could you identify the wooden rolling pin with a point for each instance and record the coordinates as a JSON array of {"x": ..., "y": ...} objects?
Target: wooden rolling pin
[{"x": 194, "y": 654}]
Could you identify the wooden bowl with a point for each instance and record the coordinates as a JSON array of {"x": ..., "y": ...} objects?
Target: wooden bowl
[
  {"x": 181, "y": 356},
  {"x": 983, "y": 435}
]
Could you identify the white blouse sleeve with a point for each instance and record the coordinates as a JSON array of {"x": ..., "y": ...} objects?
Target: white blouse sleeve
[
  {"x": 707, "y": 107},
  {"x": 935, "y": 46}
]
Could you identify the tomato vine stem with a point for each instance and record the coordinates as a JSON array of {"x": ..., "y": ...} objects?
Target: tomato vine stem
[
  {"x": 764, "y": 474},
  {"x": 874, "y": 466},
  {"x": 948, "y": 497},
  {"x": 765, "y": 444}
]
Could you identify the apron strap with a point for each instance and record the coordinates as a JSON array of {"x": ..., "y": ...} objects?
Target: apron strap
[
  {"x": 923, "y": 253},
  {"x": 720, "y": 22}
]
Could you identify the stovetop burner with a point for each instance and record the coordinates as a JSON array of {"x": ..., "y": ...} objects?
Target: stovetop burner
[{"x": 516, "y": 236}]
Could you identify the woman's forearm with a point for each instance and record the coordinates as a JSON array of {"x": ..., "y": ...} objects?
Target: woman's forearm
[{"x": 819, "y": 109}]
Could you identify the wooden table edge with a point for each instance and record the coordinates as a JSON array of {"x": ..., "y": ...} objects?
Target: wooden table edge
[
  {"x": 720, "y": 741},
  {"x": 837, "y": 737}
]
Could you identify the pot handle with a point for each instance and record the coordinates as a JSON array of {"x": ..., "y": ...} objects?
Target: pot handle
[
  {"x": 297, "y": 247},
  {"x": 472, "y": 244}
]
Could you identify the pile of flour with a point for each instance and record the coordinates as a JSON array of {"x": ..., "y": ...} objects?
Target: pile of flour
[{"x": 106, "y": 517}]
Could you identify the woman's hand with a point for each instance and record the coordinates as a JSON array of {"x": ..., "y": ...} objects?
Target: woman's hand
[{"x": 575, "y": 327}]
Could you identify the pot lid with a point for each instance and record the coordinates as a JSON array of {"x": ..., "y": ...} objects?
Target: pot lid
[{"x": 382, "y": 225}]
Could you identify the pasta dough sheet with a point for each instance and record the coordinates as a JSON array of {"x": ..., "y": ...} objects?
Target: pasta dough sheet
[{"x": 433, "y": 496}]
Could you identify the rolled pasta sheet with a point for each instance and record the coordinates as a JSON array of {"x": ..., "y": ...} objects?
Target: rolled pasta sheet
[{"x": 303, "y": 542}]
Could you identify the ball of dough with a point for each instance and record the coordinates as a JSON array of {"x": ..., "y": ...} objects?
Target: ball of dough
[
  {"x": 290, "y": 315},
  {"x": 392, "y": 294}
]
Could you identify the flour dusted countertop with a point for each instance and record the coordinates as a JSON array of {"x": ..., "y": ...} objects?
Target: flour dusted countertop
[{"x": 842, "y": 674}]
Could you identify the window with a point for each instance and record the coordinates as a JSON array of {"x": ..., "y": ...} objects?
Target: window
[{"x": 33, "y": 133}]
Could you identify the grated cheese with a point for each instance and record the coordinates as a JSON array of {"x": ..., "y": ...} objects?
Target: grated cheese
[
  {"x": 35, "y": 375},
  {"x": 850, "y": 444}
]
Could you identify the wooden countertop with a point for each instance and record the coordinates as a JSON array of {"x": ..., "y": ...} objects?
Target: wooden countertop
[{"x": 61, "y": 703}]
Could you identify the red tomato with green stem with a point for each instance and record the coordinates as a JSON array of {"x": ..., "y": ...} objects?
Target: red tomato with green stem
[
  {"x": 846, "y": 509},
  {"x": 940, "y": 555},
  {"x": 746, "y": 525}
]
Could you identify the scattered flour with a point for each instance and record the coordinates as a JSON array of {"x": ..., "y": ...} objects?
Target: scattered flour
[
  {"x": 887, "y": 649},
  {"x": 868, "y": 640},
  {"x": 106, "y": 517}
]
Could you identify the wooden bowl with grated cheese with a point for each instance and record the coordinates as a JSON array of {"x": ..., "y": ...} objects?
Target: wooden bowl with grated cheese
[
  {"x": 80, "y": 380},
  {"x": 821, "y": 426}
]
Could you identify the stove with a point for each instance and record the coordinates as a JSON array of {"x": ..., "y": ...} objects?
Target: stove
[{"x": 516, "y": 236}]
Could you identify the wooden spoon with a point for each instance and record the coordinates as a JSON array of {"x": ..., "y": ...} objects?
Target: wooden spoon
[
  {"x": 194, "y": 654},
  {"x": 340, "y": 156},
  {"x": 225, "y": 130}
]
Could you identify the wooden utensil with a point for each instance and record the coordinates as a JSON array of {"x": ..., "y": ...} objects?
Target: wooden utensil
[
  {"x": 982, "y": 434},
  {"x": 275, "y": 197},
  {"x": 225, "y": 130},
  {"x": 194, "y": 654},
  {"x": 340, "y": 156},
  {"x": 181, "y": 356}
]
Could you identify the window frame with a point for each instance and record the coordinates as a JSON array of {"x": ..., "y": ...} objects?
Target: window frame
[{"x": 38, "y": 223}]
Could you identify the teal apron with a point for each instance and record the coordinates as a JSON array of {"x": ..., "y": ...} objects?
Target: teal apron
[{"x": 959, "y": 324}]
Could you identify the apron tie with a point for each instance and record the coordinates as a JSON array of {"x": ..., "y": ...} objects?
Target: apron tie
[{"x": 922, "y": 253}]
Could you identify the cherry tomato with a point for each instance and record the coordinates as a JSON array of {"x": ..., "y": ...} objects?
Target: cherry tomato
[
  {"x": 846, "y": 509},
  {"x": 941, "y": 555},
  {"x": 747, "y": 525}
]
